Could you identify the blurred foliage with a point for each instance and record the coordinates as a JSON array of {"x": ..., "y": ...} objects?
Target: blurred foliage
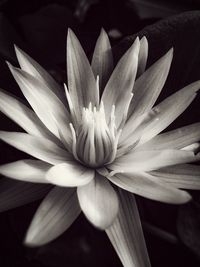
[{"x": 188, "y": 224}]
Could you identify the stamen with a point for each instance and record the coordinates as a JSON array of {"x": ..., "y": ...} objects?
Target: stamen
[
  {"x": 112, "y": 121},
  {"x": 128, "y": 101},
  {"x": 90, "y": 107},
  {"x": 96, "y": 142},
  {"x": 71, "y": 107},
  {"x": 113, "y": 155},
  {"x": 97, "y": 88},
  {"x": 89, "y": 144},
  {"x": 68, "y": 99},
  {"x": 73, "y": 141}
]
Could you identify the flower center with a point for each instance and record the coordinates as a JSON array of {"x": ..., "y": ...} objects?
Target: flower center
[{"x": 95, "y": 140}]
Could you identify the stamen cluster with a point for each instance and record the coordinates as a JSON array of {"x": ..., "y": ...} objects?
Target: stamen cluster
[{"x": 94, "y": 140}]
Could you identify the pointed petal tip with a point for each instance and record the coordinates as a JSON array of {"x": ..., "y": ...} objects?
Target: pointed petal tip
[
  {"x": 10, "y": 66},
  {"x": 13, "y": 69},
  {"x": 194, "y": 86},
  {"x": 184, "y": 198},
  {"x": 198, "y": 86},
  {"x": 16, "y": 72},
  {"x": 135, "y": 47},
  {"x": 103, "y": 31},
  {"x": 167, "y": 57},
  {"x": 170, "y": 53},
  {"x": 187, "y": 198},
  {"x": 19, "y": 52},
  {"x": 30, "y": 243},
  {"x": 17, "y": 49},
  {"x": 144, "y": 40},
  {"x": 103, "y": 34},
  {"x": 70, "y": 33},
  {"x": 137, "y": 40}
]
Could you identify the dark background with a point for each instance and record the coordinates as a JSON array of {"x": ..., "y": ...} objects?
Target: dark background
[{"x": 39, "y": 27}]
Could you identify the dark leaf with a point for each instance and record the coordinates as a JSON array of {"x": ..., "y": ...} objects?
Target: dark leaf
[
  {"x": 45, "y": 32},
  {"x": 189, "y": 225}
]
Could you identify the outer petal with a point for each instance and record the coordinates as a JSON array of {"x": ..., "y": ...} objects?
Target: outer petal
[
  {"x": 102, "y": 60},
  {"x": 146, "y": 91},
  {"x": 23, "y": 116},
  {"x": 168, "y": 110},
  {"x": 151, "y": 187},
  {"x": 55, "y": 215},
  {"x": 45, "y": 103},
  {"x": 14, "y": 194},
  {"x": 70, "y": 174},
  {"x": 99, "y": 202},
  {"x": 121, "y": 82},
  {"x": 174, "y": 139},
  {"x": 81, "y": 82},
  {"x": 185, "y": 176},
  {"x": 26, "y": 170},
  {"x": 152, "y": 159},
  {"x": 126, "y": 233},
  {"x": 32, "y": 67},
  {"x": 38, "y": 147},
  {"x": 143, "y": 54},
  {"x": 161, "y": 115}
]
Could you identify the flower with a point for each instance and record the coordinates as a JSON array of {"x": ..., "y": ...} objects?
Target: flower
[{"x": 100, "y": 132}]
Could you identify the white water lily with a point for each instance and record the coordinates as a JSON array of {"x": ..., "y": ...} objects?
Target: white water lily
[{"x": 102, "y": 135}]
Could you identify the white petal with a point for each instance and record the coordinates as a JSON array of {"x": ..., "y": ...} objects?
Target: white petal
[
  {"x": 180, "y": 176},
  {"x": 45, "y": 103},
  {"x": 143, "y": 54},
  {"x": 102, "y": 60},
  {"x": 152, "y": 159},
  {"x": 26, "y": 170},
  {"x": 30, "y": 66},
  {"x": 146, "y": 185},
  {"x": 38, "y": 147},
  {"x": 126, "y": 233},
  {"x": 168, "y": 110},
  {"x": 121, "y": 82},
  {"x": 14, "y": 194},
  {"x": 174, "y": 139},
  {"x": 23, "y": 116},
  {"x": 70, "y": 174},
  {"x": 99, "y": 202},
  {"x": 55, "y": 215},
  {"x": 146, "y": 91},
  {"x": 81, "y": 81}
]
